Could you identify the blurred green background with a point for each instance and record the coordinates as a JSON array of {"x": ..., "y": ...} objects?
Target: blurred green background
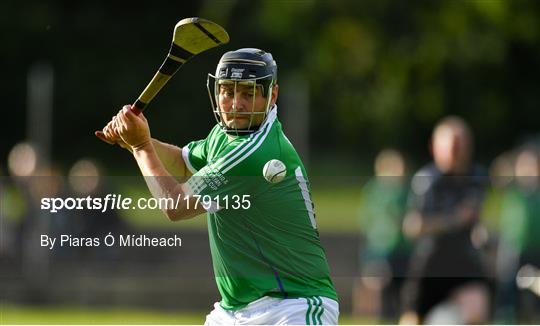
[
  {"x": 355, "y": 77},
  {"x": 378, "y": 73}
]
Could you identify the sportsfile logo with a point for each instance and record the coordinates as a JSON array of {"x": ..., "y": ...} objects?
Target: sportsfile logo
[
  {"x": 119, "y": 202},
  {"x": 110, "y": 201}
]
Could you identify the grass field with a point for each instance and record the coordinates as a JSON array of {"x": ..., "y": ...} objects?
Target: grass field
[
  {"x": 73, "y": 315},
  {"x": 18, "y": 315}
]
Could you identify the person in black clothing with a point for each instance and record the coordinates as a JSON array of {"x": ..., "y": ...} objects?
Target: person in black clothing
[{"x": 446, "y": 278}]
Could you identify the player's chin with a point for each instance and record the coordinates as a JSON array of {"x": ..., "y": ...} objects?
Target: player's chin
[{"x": 238, "y": 123}]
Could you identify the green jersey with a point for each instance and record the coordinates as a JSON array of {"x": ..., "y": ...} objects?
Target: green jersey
[{"x": 263, "y": 236}]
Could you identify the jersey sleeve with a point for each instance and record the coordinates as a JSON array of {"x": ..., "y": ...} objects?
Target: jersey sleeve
[
  {"x": 195, "y": 155},
  {"x": 236, "y": 172}
]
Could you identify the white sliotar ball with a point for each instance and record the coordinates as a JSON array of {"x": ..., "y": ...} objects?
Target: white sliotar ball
[{"x": 274, "y": 171}]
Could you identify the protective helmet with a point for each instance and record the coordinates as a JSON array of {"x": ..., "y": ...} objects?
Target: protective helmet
[{"x": 247, "y": 66}]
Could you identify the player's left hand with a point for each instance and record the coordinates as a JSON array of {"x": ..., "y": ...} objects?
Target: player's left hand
[{"x": 133, "y": 129}]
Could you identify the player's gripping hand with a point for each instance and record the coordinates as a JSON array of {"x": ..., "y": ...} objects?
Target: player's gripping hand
[
  {"x": 110, "y": 136},
  {"x": 132, "y": 129}
]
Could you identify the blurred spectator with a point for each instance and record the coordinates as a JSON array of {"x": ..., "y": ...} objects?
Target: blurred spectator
[
  {"x": 501, "y": 171},
  {"x": 85, "y": 179},
  {"x": 22, "y": 165},
  {"x": 385, "y": 251},
  {"x": 519, "y": 247},
  {"x": 447, "y": 280},
  {"x": 33, "y": 181},
  {"x": 507, "y": 255}
]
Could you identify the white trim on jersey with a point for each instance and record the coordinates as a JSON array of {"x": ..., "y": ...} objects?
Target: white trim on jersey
[
  {"x": 270, "y": 120},
  {"x": 254, "y": 148},
  {"x": 240, "y": 149},
  {"x": 305, "y": 194},
  {"x": 185, "y": 156},
  {"x": 195, "y": 185}
]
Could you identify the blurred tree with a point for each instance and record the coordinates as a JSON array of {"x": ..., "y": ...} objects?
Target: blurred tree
[{"x": 381, "y": 72}]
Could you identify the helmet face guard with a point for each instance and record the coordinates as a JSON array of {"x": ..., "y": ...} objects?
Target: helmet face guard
[
  {"x": 254, "y": 86},
  {"x": 245, "y": 70}
]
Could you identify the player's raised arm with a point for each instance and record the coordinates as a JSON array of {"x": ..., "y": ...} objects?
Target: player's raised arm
[
  {"x": 134, "y": 131},
  {"x": 170, "y": 155}
]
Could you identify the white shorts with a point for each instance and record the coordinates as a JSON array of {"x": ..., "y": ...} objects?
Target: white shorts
[{"x": 274, "y": 311}]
